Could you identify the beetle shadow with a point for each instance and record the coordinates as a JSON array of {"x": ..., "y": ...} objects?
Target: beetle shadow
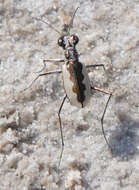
[{"x": 125, "y": 138}]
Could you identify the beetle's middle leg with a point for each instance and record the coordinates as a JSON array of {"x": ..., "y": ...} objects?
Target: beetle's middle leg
[{"x": 55, "y": 61}]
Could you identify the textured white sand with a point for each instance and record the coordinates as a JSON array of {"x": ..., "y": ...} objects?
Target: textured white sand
[{"x": 30, "y": 141}]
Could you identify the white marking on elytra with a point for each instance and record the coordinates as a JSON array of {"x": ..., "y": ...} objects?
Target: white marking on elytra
[
  {"x": 86, "y": 81},
  {"x": 68, "y": 85},
  {"x": 75, "y": 76}
]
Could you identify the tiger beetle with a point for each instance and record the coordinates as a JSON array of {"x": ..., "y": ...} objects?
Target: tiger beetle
[{"x": 77, "y": 85}]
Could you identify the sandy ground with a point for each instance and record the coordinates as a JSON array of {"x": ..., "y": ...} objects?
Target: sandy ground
[{"x": 30, "y": 141}]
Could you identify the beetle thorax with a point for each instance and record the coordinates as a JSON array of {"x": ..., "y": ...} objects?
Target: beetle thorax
[{"x": 71, "y": 54}]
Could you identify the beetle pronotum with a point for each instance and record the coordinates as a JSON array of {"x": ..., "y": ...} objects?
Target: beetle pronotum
[{"x": 77, "y": 85}]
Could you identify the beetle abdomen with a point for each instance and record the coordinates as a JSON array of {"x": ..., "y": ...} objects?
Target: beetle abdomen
[{"x": 76, "y": 83}]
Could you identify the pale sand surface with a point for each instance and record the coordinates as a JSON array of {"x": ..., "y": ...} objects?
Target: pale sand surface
[{"x": 30, "y": 141}]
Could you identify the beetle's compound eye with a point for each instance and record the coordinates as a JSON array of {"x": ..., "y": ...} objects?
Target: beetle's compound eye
[
  {"x": 61, "y": 42},
  {"x": 75, "y": 39}
]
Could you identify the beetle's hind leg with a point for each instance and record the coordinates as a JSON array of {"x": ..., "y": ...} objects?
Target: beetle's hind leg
[
  {"x": 61, "y": 132},
  {"x": 104, "y": 112},
  {"x": 96, "y": 65}
]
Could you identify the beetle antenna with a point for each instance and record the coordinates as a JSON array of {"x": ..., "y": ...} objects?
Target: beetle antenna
[
  {"x": 71, "y": 21},
  {"x": 66, "y": 27},
  {"x": 50, "y": 25}
]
